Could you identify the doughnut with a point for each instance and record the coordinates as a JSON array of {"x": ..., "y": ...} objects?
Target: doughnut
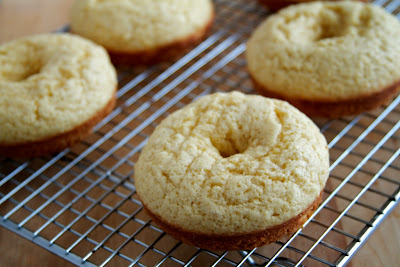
[
  {"x": 232, "y": 171},
  {"x": 53, "y": 89},
  {"x": 143, "y": 32},
  {"x": 275, "y": 5},
  {"x": 329, "y": 59}
]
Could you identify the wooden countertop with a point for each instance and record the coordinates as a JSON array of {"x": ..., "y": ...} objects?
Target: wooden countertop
[{"x": 24, "y": 17}]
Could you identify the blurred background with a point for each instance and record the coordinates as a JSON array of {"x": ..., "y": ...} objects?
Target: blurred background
[{"x": 25, "y": 17}]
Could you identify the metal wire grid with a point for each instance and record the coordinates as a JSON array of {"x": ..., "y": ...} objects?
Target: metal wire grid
[{"x": 81, "y": 203}]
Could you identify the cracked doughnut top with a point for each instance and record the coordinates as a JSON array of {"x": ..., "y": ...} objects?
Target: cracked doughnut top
[
  {"x": 50, "y": 84},
  {"x": 326, "y": 51},
  {"x": 231, "y": 163}
]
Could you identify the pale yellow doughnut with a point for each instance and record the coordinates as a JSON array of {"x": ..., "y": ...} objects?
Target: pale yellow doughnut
[
  {"x": 344, "y": 55},
  {"x": 135, "y": 27},
  {"x": 50, "y": 85},
  {"x": 229, "y": 165}
]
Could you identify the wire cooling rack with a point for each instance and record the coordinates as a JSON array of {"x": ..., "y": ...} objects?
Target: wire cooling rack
[{"x": 81, "y": 203}]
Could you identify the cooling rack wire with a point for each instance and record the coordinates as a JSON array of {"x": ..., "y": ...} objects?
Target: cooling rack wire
[{"x": 81, "y": 203}]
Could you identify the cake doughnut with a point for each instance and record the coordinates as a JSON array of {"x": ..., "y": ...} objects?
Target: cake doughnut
[
  {"x": 232, "y": 171},
  {"x": 275, "y": 5},
  {"x": 143, "y": 32},
  {"x": 53, "y": 89},
  {"x": 329, "y": 59}
]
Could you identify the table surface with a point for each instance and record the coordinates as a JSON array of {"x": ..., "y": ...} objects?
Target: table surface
[{"x": 25, "y": 17}]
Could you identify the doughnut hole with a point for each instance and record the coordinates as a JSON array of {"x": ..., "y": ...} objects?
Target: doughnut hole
[
  {"x": 21, "y": 65},
  {"x": 337, "y": 22},
  {"x": 325, "y": 24},
  {"x": 236, "y": 133},
  {"x": 27, "y": 71},
  {"x": 228, "y": 147}
]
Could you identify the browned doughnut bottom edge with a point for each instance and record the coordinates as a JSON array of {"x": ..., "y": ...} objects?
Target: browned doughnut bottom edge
[
  {"x": 162, "y": 53},
  {"x": 59, "y": 142},
  {"x": 236, "y": 241},
  {"x": 335, "y": 109},
  {"x": 275, "y": 5}
]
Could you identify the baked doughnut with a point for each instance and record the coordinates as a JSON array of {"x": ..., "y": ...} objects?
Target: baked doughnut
[
  {"x": 275, "y": 5},
  {"x": 53, "y": 89},
  {"x": 143, "y": 32},
  {"x": 232, "y": 171},
  {"x": 329, "y": 59}
]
